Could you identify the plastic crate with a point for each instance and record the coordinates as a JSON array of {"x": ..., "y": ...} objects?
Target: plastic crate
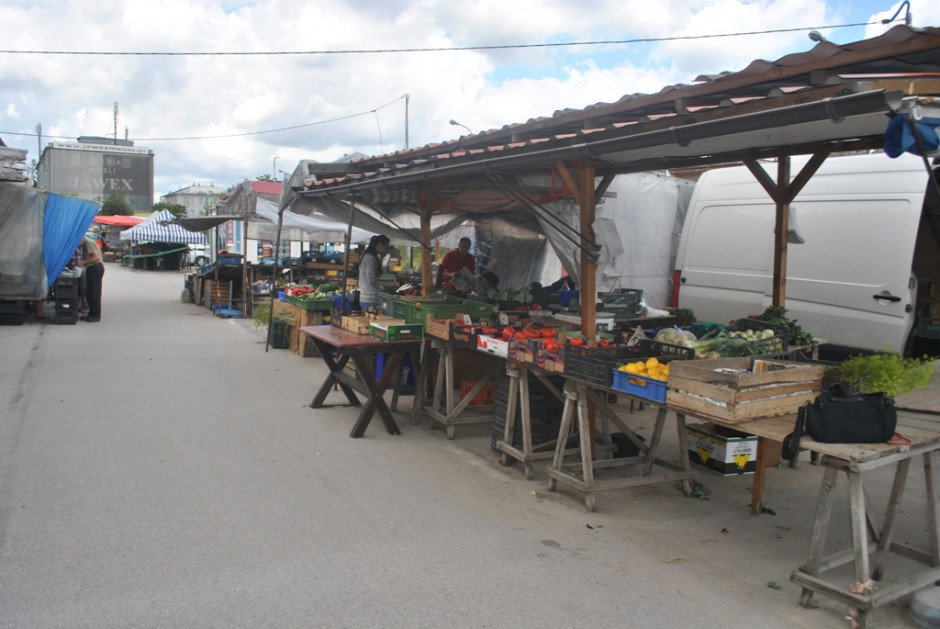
[
  {"x": 639, "y": 386},
  {"x": 280, "y": 335},
  {"x": 779, "y": 342},
  {"x": 66, "y": 288},
  {"x": 325, "y": 303},
  {"x": 12, "y": 312},
  {"x": 595, "y": 365},
  {"x": 928, "y": 328},
  {"x": 624, "y": 302}
]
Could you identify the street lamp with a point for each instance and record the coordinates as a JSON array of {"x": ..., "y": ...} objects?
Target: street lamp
[{"x": 457, "y": 124}]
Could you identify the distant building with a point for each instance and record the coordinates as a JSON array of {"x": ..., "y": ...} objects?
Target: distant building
[
  {"x": 196, "y": 198},
  {"x": 93, "y": 168}
]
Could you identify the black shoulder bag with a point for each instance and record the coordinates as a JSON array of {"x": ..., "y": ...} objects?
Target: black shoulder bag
[{"x": 835, "y": 417}]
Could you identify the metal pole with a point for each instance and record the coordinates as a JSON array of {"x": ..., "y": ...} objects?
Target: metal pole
[{"x": 407, "y": 99}]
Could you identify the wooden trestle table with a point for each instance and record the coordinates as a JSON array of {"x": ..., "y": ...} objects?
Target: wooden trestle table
[{"x": 337, "y": 347}]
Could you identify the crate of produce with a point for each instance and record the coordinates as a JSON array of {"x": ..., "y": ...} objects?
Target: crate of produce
[
  {"x": 595, "y": 365},
  {"x": 465, "y": 336},
  {"x": 734, "y": 390},
  {"x": 493, "y": 345},
  {"x": 623, "y": 302},
  {"x": 394, "y": 330},
  {"x": 760, "y": 333},
  {"x": 310, "y": 303},
  {"x": 639, "y": 386}
]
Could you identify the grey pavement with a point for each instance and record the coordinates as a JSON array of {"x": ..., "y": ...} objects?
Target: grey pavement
[{"x": 160, "y": 469}]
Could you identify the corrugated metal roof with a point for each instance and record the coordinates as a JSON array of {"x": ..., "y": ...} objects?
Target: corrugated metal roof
[{"x": 644, "y": 131}]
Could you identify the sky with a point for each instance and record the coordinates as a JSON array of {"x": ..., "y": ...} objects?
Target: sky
[{"x": 366, "y": 80}]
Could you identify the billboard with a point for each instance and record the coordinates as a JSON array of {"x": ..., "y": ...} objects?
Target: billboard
[{"x": 95, "y": 171}]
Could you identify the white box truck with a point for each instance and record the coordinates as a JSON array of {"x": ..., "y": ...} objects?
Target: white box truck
[{"x": 863, "y": 266}]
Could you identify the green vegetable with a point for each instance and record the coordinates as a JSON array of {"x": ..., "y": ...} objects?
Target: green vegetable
[
  {"x": 778, "y": 315},
  {"x": 888, "y": 372}
]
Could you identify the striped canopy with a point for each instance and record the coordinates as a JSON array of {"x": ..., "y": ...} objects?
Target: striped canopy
[{"x": 157, "y": 228}]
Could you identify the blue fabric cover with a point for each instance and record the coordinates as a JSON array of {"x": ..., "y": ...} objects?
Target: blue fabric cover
[
  {"x": 899, "y": 137},
  {"x": 66, "y": 221}
]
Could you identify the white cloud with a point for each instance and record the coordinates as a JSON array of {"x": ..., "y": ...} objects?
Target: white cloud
[{"x": 161, "y": 97}]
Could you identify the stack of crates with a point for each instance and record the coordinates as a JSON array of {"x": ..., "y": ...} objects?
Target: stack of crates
[
  {"x": 12, "y": 312},
  {"x": 66, "y": 300},
  {"x": 544, "y": 411}
]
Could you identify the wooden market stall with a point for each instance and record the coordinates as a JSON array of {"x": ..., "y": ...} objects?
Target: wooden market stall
[{"x": 829, "y": 99}]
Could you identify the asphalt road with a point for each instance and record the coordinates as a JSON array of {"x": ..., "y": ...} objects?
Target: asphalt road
[{"x": 160, "y": 469}]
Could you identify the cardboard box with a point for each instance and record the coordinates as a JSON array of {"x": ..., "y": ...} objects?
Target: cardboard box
[
  {"x": 722, "y": 450},
  {"x": 493, "y": 345},
  {"x": 728, "y": 390}
]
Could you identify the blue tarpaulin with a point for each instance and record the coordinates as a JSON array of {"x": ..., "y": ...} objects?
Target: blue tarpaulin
[
  {"x": 66, "y": 221},
  {"x": 899, "y": 136},
  {"x": 39, "y": 232}
]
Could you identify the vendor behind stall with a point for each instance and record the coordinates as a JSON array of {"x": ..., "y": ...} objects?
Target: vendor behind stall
[{"x": 454, "y": 262}]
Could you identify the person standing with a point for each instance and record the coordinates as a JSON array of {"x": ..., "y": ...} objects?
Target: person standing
[
  {"x": 453, "y": 262},
  {"x": 370, "y": 268},
  {"x": 94, "y": 273}
]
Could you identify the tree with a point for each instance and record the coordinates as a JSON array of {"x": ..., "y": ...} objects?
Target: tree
[
  {"x": 264, "y": 178},
  {"x": 116, "y": 205},
  {"x": 177, "y": 210}
]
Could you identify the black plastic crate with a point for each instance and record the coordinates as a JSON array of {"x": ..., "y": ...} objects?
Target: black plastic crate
[
  {"x": 66, "y": 288},
  {"x": 12, "y": 318},
  {"x": 66, "y": 306},
  {"x": 66, "y": 317},
  {"x": 12, "y": 307},
  {"x": 280, "y": 335},
  {"x": 595, "y": 365},
  {"x": 779, "y": 342}
]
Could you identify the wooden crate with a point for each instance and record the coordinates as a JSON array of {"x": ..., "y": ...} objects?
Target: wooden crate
[
  {"x": 732, "y": 396},
  {"x": 357, "y": 324},
  {"x": 439, "y": 328}
]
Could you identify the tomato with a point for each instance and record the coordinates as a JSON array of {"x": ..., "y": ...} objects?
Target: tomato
[
  {"x": 603, "y": 343},
  {"x": 535, "y": 307},
  {"x": 508, "y": 331},
  {"x": 551, "y": 346},
  {"x": 577, "y": 341},
  {"x": 548, "y": 333},
  {"x": 532, "y": 333},
  {"x": 522, "y": 336}
]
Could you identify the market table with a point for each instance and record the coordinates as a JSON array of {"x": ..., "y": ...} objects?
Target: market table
[
  {"x": 855, "y": 460},
  {"x": 337, "y": 347},
  {"x": 581, "y": 477}
]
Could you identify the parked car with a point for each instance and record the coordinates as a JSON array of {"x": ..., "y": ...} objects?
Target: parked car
[{"x": 198, "y": 255}]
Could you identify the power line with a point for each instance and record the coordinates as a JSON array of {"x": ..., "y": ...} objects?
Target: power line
[
  {"x": 607, "y": 42},
  {"x": 232, "y": 135}
]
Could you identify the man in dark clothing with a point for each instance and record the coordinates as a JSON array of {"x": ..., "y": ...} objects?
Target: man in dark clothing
[{"x": 94, "y": 273}]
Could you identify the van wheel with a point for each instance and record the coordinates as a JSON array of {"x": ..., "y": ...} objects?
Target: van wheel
[{"x": 201, "y": 261}]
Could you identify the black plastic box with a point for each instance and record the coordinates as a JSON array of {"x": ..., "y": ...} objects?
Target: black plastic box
[{"x": 66, "y": 288}]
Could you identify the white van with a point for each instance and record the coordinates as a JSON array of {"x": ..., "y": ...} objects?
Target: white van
[{"x": 855, "y": 258}]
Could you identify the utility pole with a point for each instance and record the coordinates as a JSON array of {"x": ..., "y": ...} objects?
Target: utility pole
[
  {"x": 274, "y": 169},
  {"x": 407, "y": 100},
  {"x": 38, "y": 141},
  {"x": 115, "y": 121}
]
